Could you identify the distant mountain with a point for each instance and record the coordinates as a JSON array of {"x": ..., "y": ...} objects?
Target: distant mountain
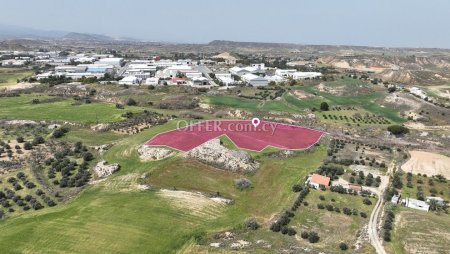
[
  {"x": 9, "y": 32},
  {"x": 87, "y": 37},
  {"x": 18, "y": 32}
]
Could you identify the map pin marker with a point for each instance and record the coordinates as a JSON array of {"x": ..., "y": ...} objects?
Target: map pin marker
[{"x": 256, "y": 122}]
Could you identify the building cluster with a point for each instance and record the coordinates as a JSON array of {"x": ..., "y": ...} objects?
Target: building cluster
[{"x": 217, "y": 70}]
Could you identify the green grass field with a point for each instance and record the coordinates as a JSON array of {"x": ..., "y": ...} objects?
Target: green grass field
[
  {"x": 58, "y": 109},
  {"x": 10, "y": 76},
  {"x": 92, "y": 138},
  {"x": 248, "y": 104},
  {"x": 117, "y": 220}
]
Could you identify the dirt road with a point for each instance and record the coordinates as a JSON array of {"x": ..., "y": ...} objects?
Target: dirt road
[{"x": 373, "y": 221}]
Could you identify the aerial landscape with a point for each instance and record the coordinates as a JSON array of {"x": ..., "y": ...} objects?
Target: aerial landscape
[{"x": 225, "y": 127}]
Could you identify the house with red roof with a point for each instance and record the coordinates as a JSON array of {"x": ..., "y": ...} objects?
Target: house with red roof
[{"x": 318, "y": 181}]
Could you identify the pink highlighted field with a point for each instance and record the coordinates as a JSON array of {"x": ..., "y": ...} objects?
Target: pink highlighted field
[{"x": 242, "y": 133}]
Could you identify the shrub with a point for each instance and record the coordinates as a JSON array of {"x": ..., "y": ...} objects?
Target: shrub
[
  {"x": 27, "y": 146},
  {"x": 297, "y": 188},
  {"x": 291, "y": 231},
  {"x": 252, "y": 224},
  {"x": 343, "y": 246},
  {"x": 20, "y": 139},
  {"x": 304, "y": 235},
  {"x": 242, "y": 183},
  {"x": 313, "y": 237},
  {"x": 367, "y": 201},
  {"x": 130, "y": 102}
]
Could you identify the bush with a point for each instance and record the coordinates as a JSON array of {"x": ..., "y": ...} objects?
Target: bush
[
  {"x": 304, "y": 235},
  {"x": 38, "y": 140},
  {"x": 291, "y": 231},
  {"x": 367, "y": 201},
  {"x": 131, "y": 102},
  {"x": 242, "y": 183},
  {"x": 251, "y": 224},
  {"x": 297, "y": 188},
  {"x": 20, "y": 139},
  {"x": 343, "y": 246},
  {"x": 27, "y": 146},
  {"x": 313, "y": 237},
  {"x": 58, "y": 133}
]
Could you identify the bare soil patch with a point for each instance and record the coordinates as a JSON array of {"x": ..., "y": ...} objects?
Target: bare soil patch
[{"x": 428, "y": 163}]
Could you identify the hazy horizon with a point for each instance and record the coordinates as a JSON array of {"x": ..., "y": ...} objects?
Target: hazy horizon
[{"x": 380, "y": 23}]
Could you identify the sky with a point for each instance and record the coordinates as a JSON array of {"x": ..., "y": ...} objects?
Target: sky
[{"x": 387, "y": 23}]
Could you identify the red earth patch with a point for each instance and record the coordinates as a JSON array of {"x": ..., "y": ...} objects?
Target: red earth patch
[{"x": 242, "y": 133}]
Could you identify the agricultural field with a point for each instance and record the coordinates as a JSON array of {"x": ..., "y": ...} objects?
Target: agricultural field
[
  {"x": 9, "y": 76},
  {"x": 323, "y": 221},
  {"x": 60, "y": 109},
  {"x": 419, "y": 232}
]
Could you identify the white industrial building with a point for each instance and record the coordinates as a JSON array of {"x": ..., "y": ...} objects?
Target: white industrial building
[
  {"x": 275, "y": 78},
  {"x": 224, "y": 77},
  {"x": 254, "y": 80},
  {"x": 130, "y": 80},
  {"x": 115, "y": 61},
  {"x": 285, "y": 73},
  {"x": 416, "y": 204},
  {"x": 306, "y": 75},
  {"x": 201, "y": 81},
  {"x": 152, "y": 81}
]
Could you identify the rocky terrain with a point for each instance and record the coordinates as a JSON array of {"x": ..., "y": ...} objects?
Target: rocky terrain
[
  {"x": 103, "y": 169},
  {"x": 154, "y": 153},
  {"x": 213, "y": 153}
]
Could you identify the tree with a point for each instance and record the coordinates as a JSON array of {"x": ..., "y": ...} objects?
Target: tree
[
  {"x": 398, "y": 129},
  {"x": 324, "y": 106}
]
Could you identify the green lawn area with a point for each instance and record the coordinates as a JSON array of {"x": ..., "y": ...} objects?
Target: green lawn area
[
  {"x": 60, "y": 109},
  {"x": 10, "y": 76},
  {"x": 118, "y": 221}
]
